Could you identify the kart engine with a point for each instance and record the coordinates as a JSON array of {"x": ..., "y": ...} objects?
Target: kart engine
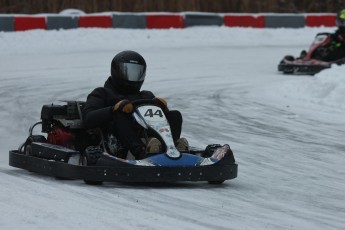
[
  {"x": 61, "y": 122},
  {"x": 60, "y": 136}
]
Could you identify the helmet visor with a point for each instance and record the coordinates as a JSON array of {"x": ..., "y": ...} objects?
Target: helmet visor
[{"x": 132, "y": 72}]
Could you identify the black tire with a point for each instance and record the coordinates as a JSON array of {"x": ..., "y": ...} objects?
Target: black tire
[
  {"x": 28, "y": 150},
  {"x": 91, "y": 156},
  {"x": 89, "y": 182},
  {"x": 29, "y": 140},
  {"x": 216, "y": 182}
]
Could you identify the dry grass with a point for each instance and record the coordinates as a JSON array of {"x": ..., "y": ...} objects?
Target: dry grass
[{"x": 218, "y": 6}]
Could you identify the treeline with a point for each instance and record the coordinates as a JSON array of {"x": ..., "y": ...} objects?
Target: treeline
[{"x": 217, "y": 6}]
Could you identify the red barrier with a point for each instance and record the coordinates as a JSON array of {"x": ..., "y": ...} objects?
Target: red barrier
[
  {"x": 170, "y": 20},
  {"x": 96, "y": 21},
  {"x": 22, "y": 23},
  {"x": 320, "y": 20},
  {"x": 244, "y": 21},
  {"x": 164, "y": 21}
]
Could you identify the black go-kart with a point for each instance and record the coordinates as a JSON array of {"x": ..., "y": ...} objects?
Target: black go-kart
[{"x": 65, "y": 149}]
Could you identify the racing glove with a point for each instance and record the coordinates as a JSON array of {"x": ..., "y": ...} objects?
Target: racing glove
[
  {"x": 124, "y": 106},
  {"x": 160, "y": 101}
]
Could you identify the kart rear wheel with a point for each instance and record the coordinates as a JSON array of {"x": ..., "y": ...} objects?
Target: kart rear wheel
[
  {"x": 86, "y": 161},
  {"x": 89, "y": 182},
  {"x": 29, "y": 140},
  {"x": 216, "y": 182}
]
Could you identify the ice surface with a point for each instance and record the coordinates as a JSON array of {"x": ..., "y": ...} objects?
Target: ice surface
[{"x": 287, "y": 132}]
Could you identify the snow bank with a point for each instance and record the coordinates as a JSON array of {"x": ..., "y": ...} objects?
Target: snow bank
[{"x": 325, "y": 90}]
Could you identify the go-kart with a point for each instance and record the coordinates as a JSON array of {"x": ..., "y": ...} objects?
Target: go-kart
[
  {"x": 65, "y": 149},
  {"x": 306, "y": 63}
]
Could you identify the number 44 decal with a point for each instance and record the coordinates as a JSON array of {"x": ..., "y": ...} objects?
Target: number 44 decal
[{"x": 150, "y": 113}]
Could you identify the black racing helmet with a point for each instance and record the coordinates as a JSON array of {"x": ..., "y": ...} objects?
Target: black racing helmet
[
  {"x": 128, "y": 70},
  {"x": 340, "y": 21}
]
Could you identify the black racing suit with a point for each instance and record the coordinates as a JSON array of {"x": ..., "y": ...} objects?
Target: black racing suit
[
  {"x": 98, "y": 113},
  {"x": 333, "y": 50}
]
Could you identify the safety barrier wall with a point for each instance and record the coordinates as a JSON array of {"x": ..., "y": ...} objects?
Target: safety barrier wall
[{"x": 164, "y": 21}]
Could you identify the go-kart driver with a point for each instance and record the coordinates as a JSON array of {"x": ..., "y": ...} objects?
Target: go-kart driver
[
  {"x": 334, "y": 49},
  {"x": 110, "y": 107}
]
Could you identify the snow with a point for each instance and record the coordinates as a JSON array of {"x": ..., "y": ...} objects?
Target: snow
[{"x": 287, "y": 132}]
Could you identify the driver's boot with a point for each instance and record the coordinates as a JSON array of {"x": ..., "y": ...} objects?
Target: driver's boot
[{"x": 153, "y": 146}]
